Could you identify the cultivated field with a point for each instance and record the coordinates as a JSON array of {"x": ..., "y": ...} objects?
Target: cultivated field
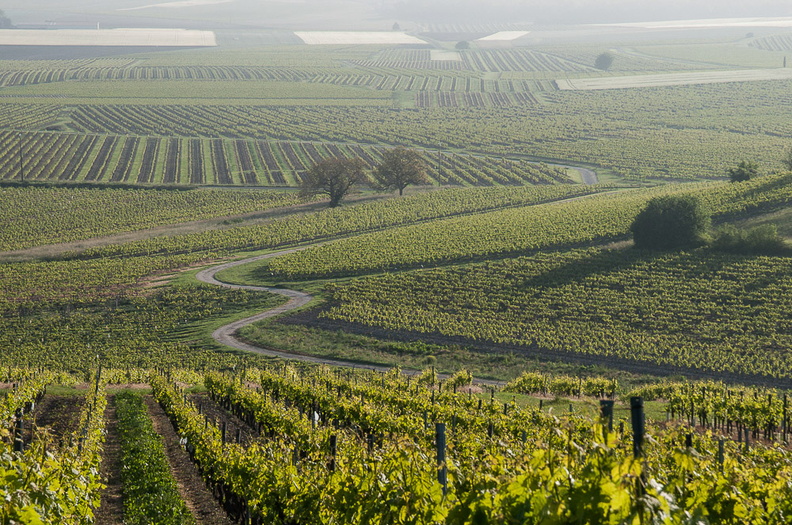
[
  {"x": 177, "y": 320},
  {"x": 673, "y": 79},
  {"x": 108, "y": 37}
]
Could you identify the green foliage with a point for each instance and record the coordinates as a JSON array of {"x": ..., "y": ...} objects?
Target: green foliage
[
  {"x": 505, "y": 464},
  {"x": 745, "y": 170},
  {"x": 157, "y": 329},
  {"x": 670, "y": 222},
  {"x": 333, "y": 177},
  {"x": 560, "y": 385},
  {"x": 345, "y": 220},
  {"x": 40, "y": 215},
  {"x": 604, "y": 61},
  {"x": 399, "y": 168},
  {"x": 150, "y": 491},
  {"x": 689, "y": 310},
  {"x": 524, "y": 229},
  {"x": 787, "y": 160},
  {"x": 462, "y": 45},
  {"x": 761, "y": 240},
  {"x": 55, "y": 482}
]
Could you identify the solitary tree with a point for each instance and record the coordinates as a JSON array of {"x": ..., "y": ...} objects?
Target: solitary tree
[
  {"x": 604, "y": 61},
  {"x": 333, "y": 177},
  {"x": 670, "y": 222},
  {"x": 462, "y": 44},
  {"x": 400, "y": 167},
  {"x": 5, "y": 22},
  {"x": 745, "y": 170},
  {"x": 787, "y": 161}
]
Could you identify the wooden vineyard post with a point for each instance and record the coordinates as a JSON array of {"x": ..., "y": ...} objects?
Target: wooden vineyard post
[
  {"x": 19, "y": 427},
  {"x": 638, "y": 425},
  {"x": 606, "y": 412},
  {"x": 333, "y": 448},
  {"x": 720, "y": 453},
  {"x": 440, "y": 442},
  {"x": 784, "y": 420}
]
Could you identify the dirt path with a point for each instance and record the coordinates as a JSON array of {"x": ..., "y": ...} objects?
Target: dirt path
[
  {"x": 217, "y": 223},
  {"x": 199, "y": 499},
  {"x": 111, "y": 508},
  {"x": 226, "y": 335}
]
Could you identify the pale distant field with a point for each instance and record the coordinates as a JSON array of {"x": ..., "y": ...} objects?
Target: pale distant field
[
  {"x": 672, "y": 79},
  {"x": 441, "y": 55},
  {"x": 710, "y": 23},
  {"x": 108, "y": 37},
  {"x": 503, "y": 36},
  {"x": 184, "y": 3},
  {"x": 314, "y": 38}
]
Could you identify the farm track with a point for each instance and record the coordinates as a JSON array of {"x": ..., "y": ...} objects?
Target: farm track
[
  {"x": 226, "y": 335},
  {"x": 59, "y": 414}
]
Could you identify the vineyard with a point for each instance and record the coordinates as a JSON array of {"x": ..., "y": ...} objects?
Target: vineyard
[
  {"x": 514, "y": 231},
  {"x": 39, "y": 215},
  {"x": 612, "y": 385},
  {"x": 215, "y": 161},
  {"x": 703, "y": 312},
  {"x": 314, "y": 445}
]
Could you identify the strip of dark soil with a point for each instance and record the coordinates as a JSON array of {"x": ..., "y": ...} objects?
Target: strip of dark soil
[
  {"x": 214, "y": 412},
  {"x": 59, "y": 414},
  {"x": 311, "y": 318},
  {"x": 111, "y": 507},
  {"x": 199, "y": 499}
]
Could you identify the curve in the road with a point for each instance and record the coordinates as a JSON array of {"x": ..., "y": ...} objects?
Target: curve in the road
[{"x": 226, "y": 335}]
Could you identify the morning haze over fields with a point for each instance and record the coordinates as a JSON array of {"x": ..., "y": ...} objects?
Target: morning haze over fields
[{"x": 395, "y": 262}]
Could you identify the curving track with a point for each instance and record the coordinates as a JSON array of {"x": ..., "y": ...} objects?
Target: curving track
[{"x": 226, "y": 334}]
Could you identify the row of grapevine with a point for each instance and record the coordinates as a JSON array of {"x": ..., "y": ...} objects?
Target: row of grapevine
[
  {"x": 773, "y": 43},
  {"x": 407, "y": 59},
  {"x": 197, "y": 161},
  {"x": 153, "y": 328},
  {"x": 334, "y": 222},
  {"x": 63, "y": 73},
  {"x": 398, "y": 81},
  {"x": 427, "y": 99},
  {"x": 690, "y": 313},
  {"x": 56, "y": 482},
  {"x": 497, "y": 60},
  {"x": 35, "y": 216},
  {"x": 725, "y": 408},
  {"x": 496, "y": 233},
  {"x": 312, "y": 467},
  {"x": 646, "y": 145}
]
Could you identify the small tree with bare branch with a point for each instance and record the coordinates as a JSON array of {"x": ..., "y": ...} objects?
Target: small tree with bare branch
[
  {"x": 399, "y": 168},
  {"x": 333, "y": 177}
]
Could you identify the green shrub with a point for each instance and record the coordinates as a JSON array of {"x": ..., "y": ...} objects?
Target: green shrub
[
  {"x": 670, "y": 222},
  {"x": 761, "y": 240}
]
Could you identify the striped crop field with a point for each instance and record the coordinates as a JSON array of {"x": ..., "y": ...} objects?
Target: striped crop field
[{"x": 78, "y": 157}]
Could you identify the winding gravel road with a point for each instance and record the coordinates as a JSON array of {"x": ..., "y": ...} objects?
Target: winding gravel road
[{"x": 226, "y": 335}]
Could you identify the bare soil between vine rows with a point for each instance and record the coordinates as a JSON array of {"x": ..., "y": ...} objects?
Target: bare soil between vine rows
[{"x": 199, "y": 499}]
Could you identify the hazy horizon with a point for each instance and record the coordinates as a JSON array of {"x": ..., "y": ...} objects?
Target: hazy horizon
[{"x": 367, "y": 14}]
